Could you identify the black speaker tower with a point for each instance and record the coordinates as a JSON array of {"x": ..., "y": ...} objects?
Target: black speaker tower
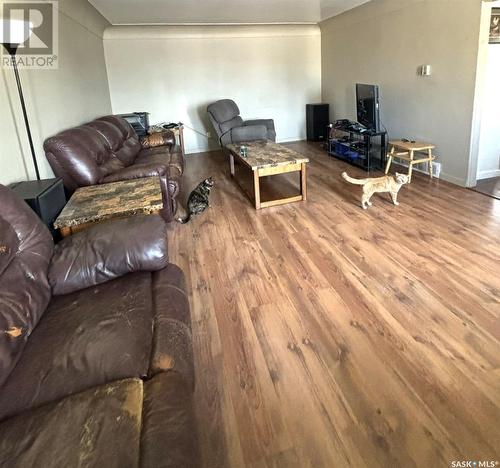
[{"x": 317, "y": 121}]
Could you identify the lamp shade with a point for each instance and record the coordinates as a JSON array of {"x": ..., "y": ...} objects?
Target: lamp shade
[{"x": 14, "y": 32}]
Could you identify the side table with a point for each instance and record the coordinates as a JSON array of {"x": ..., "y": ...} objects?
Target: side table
[
  {"x": 408, "y": 154},
  {"x": 178, "y": 131}
]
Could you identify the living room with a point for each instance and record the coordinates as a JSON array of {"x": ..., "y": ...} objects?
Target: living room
[{"x": 278, "y": 323}]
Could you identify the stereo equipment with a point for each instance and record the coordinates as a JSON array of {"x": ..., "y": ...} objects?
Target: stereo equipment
[
  {"x": 45, "y": 197},
  {"x": 317, "y": 121},
  {"x": 139, "y": 122}
]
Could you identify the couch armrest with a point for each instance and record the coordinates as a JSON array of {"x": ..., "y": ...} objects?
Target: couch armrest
[
  {"x": 108, "y": 251},
  {"x": 268, "y": 123},
  {"x": 164, "y": 138},
  {"x": 248, "y": 133},
  {"x": 136, "y": 171}
]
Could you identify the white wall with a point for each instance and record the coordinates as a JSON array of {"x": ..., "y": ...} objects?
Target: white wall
[
  {"x": 489, "y": 141},
  {"x": 384, "y": 42},
  {"x": 174, "y": 72},
  {"x": 56, "y": 99}
]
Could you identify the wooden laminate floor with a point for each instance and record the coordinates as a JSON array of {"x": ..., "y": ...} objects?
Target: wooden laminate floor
[
  {"x": 490, "y": 187},
  {"x": 329, "y": 336}
]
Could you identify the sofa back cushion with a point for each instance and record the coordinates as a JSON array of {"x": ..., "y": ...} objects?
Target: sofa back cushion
[
  {"x": 81, "y": 156},
  {"x": 25, "y": 252},
  {"x": 85, "y": 155},
  {"x": 129, "y": 146}
]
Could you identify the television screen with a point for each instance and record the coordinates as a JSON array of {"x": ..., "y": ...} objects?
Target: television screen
[{"x": 367, "y": 97}]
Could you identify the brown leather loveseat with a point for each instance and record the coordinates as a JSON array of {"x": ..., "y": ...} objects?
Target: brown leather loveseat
[
  {"x": 96, "y": 363},
  {"x": 108, "y": 150}
]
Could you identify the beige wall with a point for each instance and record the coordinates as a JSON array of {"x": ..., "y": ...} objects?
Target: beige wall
[
  {"x": 384, "y": 42},
  {"x": 56, "y": 99},
  {"x": 174, "y": 72}
]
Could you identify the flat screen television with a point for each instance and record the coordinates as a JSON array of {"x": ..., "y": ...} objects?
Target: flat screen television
[{"x": 367, "y": 100}]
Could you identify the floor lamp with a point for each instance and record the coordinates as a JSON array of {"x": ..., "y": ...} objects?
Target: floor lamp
[{"x": 14, "y": 33}]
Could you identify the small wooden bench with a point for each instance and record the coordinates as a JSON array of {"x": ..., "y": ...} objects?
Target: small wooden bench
[{"x": 408, "y": 154}]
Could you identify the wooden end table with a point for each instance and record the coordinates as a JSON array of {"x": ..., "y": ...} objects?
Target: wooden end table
[
  {"x": 266, "y": 158},
  {"x": 178, "y": 131},
  {"x": 97, "y": 203},
  {"x": 408, "y": 154}
]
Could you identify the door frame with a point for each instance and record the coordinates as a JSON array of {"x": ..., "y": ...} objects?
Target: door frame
[{"x": 482, "y": 63}]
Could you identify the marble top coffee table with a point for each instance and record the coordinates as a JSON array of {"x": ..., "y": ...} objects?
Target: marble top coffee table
[
  {"x": 266, "y": 158},
  {"x": 97, "y": 203}
]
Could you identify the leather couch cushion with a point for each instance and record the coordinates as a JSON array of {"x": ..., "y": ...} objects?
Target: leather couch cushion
[
  {"x": 9, "y": 243},
  {"x": 174, "y": 162},
  {"x": 130, "y": 145},
  {"x": 174, "y": 182},
  {"x": 176, "y": 158},
  {"x": 146, "y": 155},
  {"x": 81, "y": 153},
  {"x": 123, "y": 147},
  {"x": 172, "y": 341},
  {"x": 108, "y": 251},
  {"x": 135, "y": 171},
  {"x": 25, "y": 251},
  {"x": 86, "y": 338},
  {"x": 112, "y": 134},
  {"x": 168, "y": 437},
  {"x": 98, "y": 427},
  {"x": 159, "y": 155}
]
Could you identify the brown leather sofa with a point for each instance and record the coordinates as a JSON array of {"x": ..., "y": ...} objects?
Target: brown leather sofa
[
  {"x": 96, "y": 364},
  {"x": 108, "y": 150}
]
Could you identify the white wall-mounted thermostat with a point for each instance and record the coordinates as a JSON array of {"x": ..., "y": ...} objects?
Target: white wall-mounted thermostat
[{"x": 425, "y": 70}]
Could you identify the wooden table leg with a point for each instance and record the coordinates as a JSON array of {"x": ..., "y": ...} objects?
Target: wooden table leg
[
  {"x": 389, "y": 160},
  {"x": 231, "y": 164},
  {"x": 303, "y": 181},
  {"x": 66, "y": 231},
  {"x": 256, "y": 187},
  {"x": 410, "y": 166},
  {"x": 430, "y": 163}
]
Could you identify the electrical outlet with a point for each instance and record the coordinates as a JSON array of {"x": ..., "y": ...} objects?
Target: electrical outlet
[{"x": 209, "y": 135}]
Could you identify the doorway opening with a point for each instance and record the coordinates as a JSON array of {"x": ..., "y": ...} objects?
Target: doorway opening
[{"x": 485, "y": 173}]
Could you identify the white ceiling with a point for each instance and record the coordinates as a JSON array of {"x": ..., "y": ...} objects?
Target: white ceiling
[{"x": 220, "y": 11}]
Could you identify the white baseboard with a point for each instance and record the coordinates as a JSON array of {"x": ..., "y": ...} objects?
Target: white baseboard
[
  {"x": 488, "y": 174},
  {"x": 290, "y": 139},
  {"x": 453, "y": 179},
  {"x": 205, "y": 149}
]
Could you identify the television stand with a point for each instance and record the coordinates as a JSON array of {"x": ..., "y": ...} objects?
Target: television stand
[{"x": 357, "y": 148}]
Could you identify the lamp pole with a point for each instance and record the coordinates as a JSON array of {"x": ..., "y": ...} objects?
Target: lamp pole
[{"x": 12, "y": 49}]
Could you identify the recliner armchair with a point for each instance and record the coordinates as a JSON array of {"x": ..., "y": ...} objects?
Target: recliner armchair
[{"x": 231, "y": 128}]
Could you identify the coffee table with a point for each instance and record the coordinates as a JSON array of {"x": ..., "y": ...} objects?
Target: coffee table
[
  {"x": 266, "y": 158},
  {"x": 97, "y": 203}
]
